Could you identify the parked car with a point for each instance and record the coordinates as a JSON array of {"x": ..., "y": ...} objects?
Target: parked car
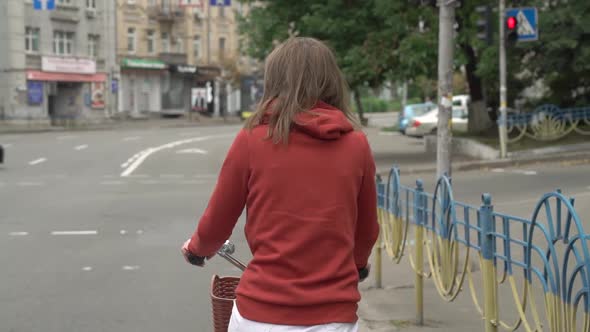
[
  {"x": 461, "y": 102},
  {"x": 427, "y": 123},
  {"x": 411, "y": 111}
]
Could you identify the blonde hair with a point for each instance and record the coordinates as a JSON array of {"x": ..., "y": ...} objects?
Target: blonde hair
[{"x": 297, "y": 74}]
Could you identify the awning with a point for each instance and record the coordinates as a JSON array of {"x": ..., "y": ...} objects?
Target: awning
[
  {"x": 35, "y": 75},
  {"x": 143, "y": 64}
]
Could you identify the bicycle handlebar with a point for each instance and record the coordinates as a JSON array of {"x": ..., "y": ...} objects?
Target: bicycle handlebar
[{"x": 225, "y": 251}]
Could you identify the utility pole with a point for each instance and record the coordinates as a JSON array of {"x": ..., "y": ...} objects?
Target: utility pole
[
  {"x": 503, "y": 89},
  {"x": 446, "y": 46}
]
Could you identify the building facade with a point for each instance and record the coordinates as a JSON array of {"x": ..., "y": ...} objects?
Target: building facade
[
  {"x": 59, "y": 64},
  {"x": 175, "y": 55}
]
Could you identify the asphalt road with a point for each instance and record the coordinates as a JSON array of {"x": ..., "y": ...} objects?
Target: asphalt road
[{"x": 91, "y": 224}]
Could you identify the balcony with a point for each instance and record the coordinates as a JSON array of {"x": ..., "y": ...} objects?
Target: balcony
[{"x": 166, "y": 12}]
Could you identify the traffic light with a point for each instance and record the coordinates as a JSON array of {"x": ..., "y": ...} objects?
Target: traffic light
[
  {"x": 484, "y": 24},
  {"x": 511, "y": 29}
]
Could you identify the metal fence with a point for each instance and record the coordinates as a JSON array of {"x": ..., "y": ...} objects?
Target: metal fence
[
  {"x": 539, "y": 266},
  {"x": 548, "y": 123}
]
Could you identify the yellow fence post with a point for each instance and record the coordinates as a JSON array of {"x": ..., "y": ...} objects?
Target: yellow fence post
[
  {"x": 379, "y": 247},
  {"x": 419, "y": 215},
  {"x": 488, "y": 249}
]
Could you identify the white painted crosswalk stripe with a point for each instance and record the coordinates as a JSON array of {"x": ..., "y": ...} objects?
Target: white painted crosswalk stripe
[
  {"x": 18, "y": 233},
  {"x": 37, "y": 161},
  {"x": 92, "y": 232}
]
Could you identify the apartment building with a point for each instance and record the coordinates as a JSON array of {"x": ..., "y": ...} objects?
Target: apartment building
[
  {"x": 57, "y": 64},
  {"x": 174, "y": 56}
]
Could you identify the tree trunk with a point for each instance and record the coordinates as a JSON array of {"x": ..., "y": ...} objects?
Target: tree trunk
[
  {"x": 359, "y": 106},
  {"x": 479, "y": 119}
]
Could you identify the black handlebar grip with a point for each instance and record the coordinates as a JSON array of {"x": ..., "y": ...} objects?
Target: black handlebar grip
[
  {"x": 363, "y": 273},
  {"x": 195, "y": 260}
]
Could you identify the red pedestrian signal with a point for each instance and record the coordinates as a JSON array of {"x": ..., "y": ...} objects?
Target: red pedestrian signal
[
  {"x": 511, "y": 30},
  {"x": 511, "y": 23}
]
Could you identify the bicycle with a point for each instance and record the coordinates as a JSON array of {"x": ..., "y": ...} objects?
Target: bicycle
[{"x": 223, "y": 289}]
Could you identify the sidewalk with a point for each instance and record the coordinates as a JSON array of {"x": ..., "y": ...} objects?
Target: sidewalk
[
  {"x": 392, "y": 148},
  {"x": 393, "y": 308}
]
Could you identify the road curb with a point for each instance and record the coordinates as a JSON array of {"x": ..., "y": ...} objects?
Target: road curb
[{"x": 581, "y": 157}]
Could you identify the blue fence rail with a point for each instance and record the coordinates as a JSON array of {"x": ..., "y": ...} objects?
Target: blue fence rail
[
  {"x": 547, "y": 123},
  {"x": 544, "y": 261}
]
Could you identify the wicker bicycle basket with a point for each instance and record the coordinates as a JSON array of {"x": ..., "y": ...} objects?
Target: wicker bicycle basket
[{"x": 223, "y": 294}]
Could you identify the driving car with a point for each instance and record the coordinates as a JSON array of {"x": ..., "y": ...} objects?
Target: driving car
[
  {"x": 411, "y": 111},
  {"x": 427, "y": 124}
]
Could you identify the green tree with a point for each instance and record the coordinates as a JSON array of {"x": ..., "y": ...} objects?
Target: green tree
[{"x": 368, "y": 37}]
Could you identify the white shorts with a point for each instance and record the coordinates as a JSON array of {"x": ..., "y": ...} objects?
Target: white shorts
[{"x": 238, "y": 323}]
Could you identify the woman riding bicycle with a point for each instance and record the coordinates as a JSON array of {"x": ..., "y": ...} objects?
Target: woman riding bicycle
[{"x": 306, "y": 176}]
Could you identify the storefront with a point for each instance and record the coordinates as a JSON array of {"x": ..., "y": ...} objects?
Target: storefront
[
  {"x": 205, "y": 93},
  {"x": 177, "y": 85},
  {"x": 140, "y": 88},
  {"x": 67, "y": 89}
]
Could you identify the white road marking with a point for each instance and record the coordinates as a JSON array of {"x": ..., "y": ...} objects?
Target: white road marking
[
  {"x": 18, "y": 233},
  {"x": 206, "y": 176},
  {"x": 139, "y": 232},
  {"x": 131, "y": 138},
  {"x": 30, "y": 184},
  {"x": 61, "y": 138},
  {"x": 130, "y": 267},
  {"x": 149, "y": 182},
  {"x": 81, "y": 147},
  {"x": 6, "y": 146},
  {"x": 74, "y": 233},
  {"x": 2, "y": 184},
  {"x": 111, "y": 183},
  {"x": 171, "y": 176},
  {"x": 87, "y": 268},
  {"x": 498, "y": 170},
  {"x": 388, "y": 133},
  {"x": 37, "y": 161},
  {"x": 524, "y": 172},
  {"x": 123, "y": 232},
  {"x": 134, "y": 162},
  {"x": 191, "y": 151}
]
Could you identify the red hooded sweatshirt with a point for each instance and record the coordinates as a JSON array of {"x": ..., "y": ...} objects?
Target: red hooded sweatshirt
[{"x": 311, "y": 219}]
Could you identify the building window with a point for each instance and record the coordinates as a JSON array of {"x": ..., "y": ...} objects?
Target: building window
[
  {"x": 32, "y": 39},
  {"x": 63, "y": 42},
  {"x": 131, "y": 40},
  {"x": 221, "y": 11},
  {"x": 221, "y": 48},
  {"x": 91, "y": 4},
  {"x": 179, "y": 45},
  {"x": 197, "y": 47},
  {"x": 152, "y": 3},
  {"x": 64, "y": 2},
  {"x": 131, "y": 2},
  {"x": 151, "y": 41},
  {"x": 93, "y": 41},
  {"x": 165, "y": 42}
]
